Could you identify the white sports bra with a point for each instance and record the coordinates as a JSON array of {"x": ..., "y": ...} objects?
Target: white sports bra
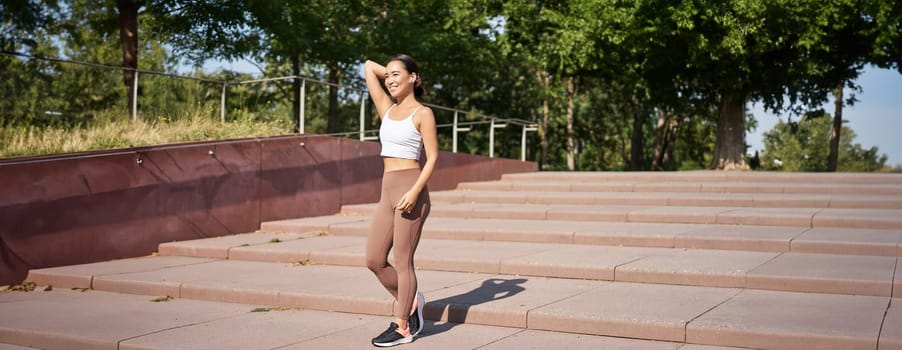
[{"x": 400, "y": 138}]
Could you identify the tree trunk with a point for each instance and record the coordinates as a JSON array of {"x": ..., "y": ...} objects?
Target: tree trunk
[
  {"x": 128, "y": 36},
  {"x": 334, "y": 123},
  {"x": 729, "y": 149},
  {"x": 296, "y": 92},
  {"x": 670, "y": 143},
  {"x": 833, "y": 158},
  {"x": 661, "y": 129},
  {"x": 543, "y": 126},
  {"x": 571, "y": 143},
  {"x": 637, "y": 146}
]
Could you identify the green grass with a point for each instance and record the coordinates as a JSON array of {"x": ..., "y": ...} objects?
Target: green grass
[{"x": 109, "y": 133}]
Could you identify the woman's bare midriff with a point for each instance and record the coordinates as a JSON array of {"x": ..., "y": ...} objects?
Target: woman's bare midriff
[{"x": 392, "y": 164}]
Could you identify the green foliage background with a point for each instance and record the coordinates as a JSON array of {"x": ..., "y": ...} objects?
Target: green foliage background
[{"x": 649, "y": 76}]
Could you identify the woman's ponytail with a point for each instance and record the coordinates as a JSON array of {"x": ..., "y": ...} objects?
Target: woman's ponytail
[{"x": 418, "y": 89}]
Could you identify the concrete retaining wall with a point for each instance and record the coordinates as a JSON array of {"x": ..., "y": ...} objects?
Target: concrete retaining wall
[{"x": 96, "y": 206}]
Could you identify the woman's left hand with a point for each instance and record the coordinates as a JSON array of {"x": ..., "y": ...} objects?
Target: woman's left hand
[{"x": 408, "y": 200}]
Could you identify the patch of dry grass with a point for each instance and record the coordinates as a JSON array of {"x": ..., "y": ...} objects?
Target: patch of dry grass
[{"x": 34, "y": 141}]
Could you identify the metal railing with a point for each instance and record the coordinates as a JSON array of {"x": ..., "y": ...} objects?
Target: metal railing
[
  {"x": 527, "y": 126},
  {"x": 456, "y": 125}
]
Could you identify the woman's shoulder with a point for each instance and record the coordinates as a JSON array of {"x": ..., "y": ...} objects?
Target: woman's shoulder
[
  {"x": 423, "y": 115},
  {"x": 423, "y": 111}
]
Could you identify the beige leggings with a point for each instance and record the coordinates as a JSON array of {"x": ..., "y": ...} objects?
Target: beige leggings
[{"x": 393, "y": 228}]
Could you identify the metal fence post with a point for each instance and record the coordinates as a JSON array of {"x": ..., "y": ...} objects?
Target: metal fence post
[
  {"x": 456, "y": 129},
  {"x": 492, "y": 139},
  {"x": 492, "y": 136},
  {"x": 454, "y": 134},
  {"x": 222, "y": 105},
  {"x": 303, "y": 103},
  {"x": 134, "y": 106},
  {"x": 362, "y": 116},
  {"x": 526, "y": 128}
]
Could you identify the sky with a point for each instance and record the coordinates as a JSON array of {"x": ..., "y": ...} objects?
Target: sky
[{"x": 876, "y": 118}]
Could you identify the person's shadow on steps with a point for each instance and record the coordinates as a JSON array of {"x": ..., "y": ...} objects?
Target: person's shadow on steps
[{"x": 457, "y": 307}]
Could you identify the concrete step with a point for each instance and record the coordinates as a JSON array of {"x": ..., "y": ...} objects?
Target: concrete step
[
  {"x": 102, "y": 320},
  {"x": 689, "y": 260},
  {"x": 816, "y": 273},
  {"x": 795, "y": 217},
  {"x": 662, "y": 198},
  {"x": 693, "y": 314},
  {"x": 553, "y": 184},
  {"x": 850, "y": 241},
  {"x": 760, "y": 177}
]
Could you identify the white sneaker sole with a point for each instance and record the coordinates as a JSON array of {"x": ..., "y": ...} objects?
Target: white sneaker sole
[
  {"x": 421, "y": 300},
  {"x": 404, "y": 340}
]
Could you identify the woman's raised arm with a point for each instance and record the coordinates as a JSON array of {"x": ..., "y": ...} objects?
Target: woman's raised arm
[{"x": 374, "y": 74}]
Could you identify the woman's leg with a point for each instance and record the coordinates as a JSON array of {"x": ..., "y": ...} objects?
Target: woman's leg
[
  {"x": 408, "y": 228},
  {"x": 400, "y": 233},
  {"x": 379, "y": 242}
]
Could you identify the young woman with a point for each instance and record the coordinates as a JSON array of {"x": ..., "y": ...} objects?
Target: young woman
[{"x": 407, "y": 134}]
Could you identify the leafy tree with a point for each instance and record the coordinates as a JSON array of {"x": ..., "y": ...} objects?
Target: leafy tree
[
  {"x": 731, "y": 52},
  {"x": 90, "y": 29},
  {"x": 568, "y": 42},
  {"x": 540, "y": 29},
  {"x": 43, "y": 92},
  {"x": 456, "y": 45},
  {"x": 801, "y": 146},
  {"x": 838, "y": 40},
  {"x": 325, "y": 33},
  {"x": 887, "y": 49},
  {"x": 653, "y": 84},
  {"x": 20, "y": 20},
  {"x": 123, "y": 15},
  {"x": 23, "y": 83},
  {"x": 526, "y": 30},
  {"x": 198, "y": 31},
  {"x": 25, "y": 27},
  {"x": 700, "y": 52},
  {"x": 89, "y": 34},
  {"x": 331, "y": 38}
]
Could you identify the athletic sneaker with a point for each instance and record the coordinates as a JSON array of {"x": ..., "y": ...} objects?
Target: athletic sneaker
[
  {"x": 415, "y": 321},
  {"x": 391, "y": 337}
]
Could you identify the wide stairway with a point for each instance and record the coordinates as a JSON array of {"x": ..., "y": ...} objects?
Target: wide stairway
[{"x": 688, "y": 260}]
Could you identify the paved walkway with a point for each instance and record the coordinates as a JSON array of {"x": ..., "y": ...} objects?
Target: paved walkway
[
  {"x": 697, "y": 260},
  {"x": 65, "y": 319}
]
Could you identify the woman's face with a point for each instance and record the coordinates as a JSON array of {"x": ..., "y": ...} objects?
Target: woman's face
[{"x": 398, "y": 80}]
